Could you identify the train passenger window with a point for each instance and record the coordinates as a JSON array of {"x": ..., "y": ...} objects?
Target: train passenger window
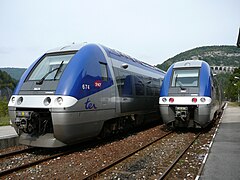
[
  {"x": 104, "y": 72},
  {"x": 150, "y": 90},
  {"x": 185, "y": 78},
  {"x": 124, "y": 82},
  {"x": 139, "y": 86},
  {"x": 157, "y": 85},
  {"x": 149, "y": 86}
]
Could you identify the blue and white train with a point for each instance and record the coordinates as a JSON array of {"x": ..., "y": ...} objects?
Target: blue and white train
[
  {"x": 190, "y": 95},
  {"x": 77, "y": 92}
]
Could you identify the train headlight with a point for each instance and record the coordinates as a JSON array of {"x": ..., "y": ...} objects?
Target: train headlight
[
  {"x": 202, "y": 99},
  {"x": 60, "y": 100},
  {"x": 171, "y": 100},
  {"x": 20, "y": 100},
  {"x": 164, "y": 99},
  {"x": 47, "y": 101},
  {"x": 13, "y": 99},
  {"x": 194, "y": 100}
]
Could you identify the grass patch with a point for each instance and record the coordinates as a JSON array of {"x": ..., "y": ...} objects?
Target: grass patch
[
  {"x": 5, "y": 121},
  {"x": 234, "y": 104}
]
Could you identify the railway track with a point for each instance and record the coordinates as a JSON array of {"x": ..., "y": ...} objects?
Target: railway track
[
  {"x": 171, "y": 166},
  {"x": 4, "y": 155},
  {"x": 114, "y": 169},
  {"x": 117, "y": 161},
  {"x": 25, "y": 158},
  {"x": 149, "y": 159},
  {"x": 20, "y": 160}
]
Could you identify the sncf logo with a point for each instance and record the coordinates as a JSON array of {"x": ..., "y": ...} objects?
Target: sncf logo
[{"x": 98, "y": 83}]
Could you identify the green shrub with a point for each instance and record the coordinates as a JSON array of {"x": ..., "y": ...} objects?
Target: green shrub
[
  {"x": 4, "y": 121},
  {"x": 3, "y": 107},
  {"x": 4, "y": 117}
]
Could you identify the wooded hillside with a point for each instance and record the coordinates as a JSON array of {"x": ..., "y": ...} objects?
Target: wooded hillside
[{"x": 213, "y": 55}]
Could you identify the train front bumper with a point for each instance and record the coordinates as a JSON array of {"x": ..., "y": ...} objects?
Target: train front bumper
[{"x": 186, "y": 111}]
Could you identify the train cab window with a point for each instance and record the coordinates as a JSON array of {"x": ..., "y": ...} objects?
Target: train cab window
[
  {"x": 104, "y": 72},
  {"x": 50, "y": 67},
  {"x": 185, "y": 78}
]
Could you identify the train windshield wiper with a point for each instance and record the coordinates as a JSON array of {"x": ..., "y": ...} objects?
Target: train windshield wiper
[
  {"x": 182, "y": 88},
  {"x": 58, "y": 69},
  {"x": 46, "y": 75},
  {"x": 179, "y": 84}
]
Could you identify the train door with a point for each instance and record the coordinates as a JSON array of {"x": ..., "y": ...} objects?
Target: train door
[
  {"x": 106, "y": 96},
  {"x": 124, "y": 80}
]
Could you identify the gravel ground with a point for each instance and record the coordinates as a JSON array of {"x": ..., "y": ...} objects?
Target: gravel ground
[
  {"x": 191, "y": 163},
  {"x": 142, "y": 166},
  {"x": 151, "y": 162}
]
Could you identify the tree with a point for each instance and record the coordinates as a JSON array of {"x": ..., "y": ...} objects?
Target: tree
[{"x": 233, "y": 86}]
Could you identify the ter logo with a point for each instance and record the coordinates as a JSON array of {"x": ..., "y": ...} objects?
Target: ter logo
[{"x": 90, "y": 105}]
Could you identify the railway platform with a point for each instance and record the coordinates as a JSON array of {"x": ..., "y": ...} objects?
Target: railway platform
[
  {"x": 8, "y": 137},
  {"x": 223, "y": 161}
]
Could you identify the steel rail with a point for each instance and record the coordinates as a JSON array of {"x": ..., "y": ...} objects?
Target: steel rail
[
  {"x": 24, "y": 166},
  {"x": 93, "y": 174},
  {"x": 16, "y": 152},
  {"x": 178, "y": 158}
]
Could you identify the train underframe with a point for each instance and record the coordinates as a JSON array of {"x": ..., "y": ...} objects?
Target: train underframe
[
  {"x": 186, "y": 116},
  {"x": 42, "y": 128}
]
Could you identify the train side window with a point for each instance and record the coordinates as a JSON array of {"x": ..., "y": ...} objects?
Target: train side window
[
  {"x": 139, "y": 86},
  {"x": 149, "y": 86},
  {"x": 104, "y": 71},
  {"x": 124, "y": 82}
]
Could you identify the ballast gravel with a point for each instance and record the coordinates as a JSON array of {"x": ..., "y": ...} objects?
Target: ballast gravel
[{"x": 81, "y": 163}]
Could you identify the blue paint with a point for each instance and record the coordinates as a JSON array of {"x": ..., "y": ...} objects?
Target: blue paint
[
  {"x": 129, "y": 60},
  {"x": 166, "y": 82},
  {"x": 24, "y": 77},
  {"x": 205, "y": 80},
  {"x": 84, "y": 68},
  {"x": 205, "y": 86}
]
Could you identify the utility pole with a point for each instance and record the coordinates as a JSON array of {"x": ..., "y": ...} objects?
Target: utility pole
[
  {"x": 238, "y": 41},
  {"x": 236, "y": 77}
]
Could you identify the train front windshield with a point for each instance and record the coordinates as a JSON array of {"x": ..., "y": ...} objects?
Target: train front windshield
[
  {"x": 51, "y": 67},
  {"x": 185, "y": 78}
]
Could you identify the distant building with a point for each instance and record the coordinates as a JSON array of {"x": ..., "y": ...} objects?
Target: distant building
[{"x": 223, "y": 69}]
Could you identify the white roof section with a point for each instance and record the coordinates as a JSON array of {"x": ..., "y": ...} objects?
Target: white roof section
[
  {"x": 71, "y": 47},
  {"x": 188, "y": 63}
]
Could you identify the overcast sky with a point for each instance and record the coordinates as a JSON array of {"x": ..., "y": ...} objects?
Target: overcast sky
[{"x": 149, "y": 30}]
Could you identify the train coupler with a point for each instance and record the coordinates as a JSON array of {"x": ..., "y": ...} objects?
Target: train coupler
[{"x": 181, "y": 112}]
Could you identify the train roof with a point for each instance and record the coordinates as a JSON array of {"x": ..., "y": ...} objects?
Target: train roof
[
  {"x": 110, "y": 52},
  {"x": 71, "y": 47},
  {"x": 188, "y": 63},
  {"x": 128, "y": 59}
]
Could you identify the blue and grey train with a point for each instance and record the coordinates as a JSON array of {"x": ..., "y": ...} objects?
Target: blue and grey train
[
  {"x": 190, "y": 96},
  {"x": 77, "y": 92}
]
